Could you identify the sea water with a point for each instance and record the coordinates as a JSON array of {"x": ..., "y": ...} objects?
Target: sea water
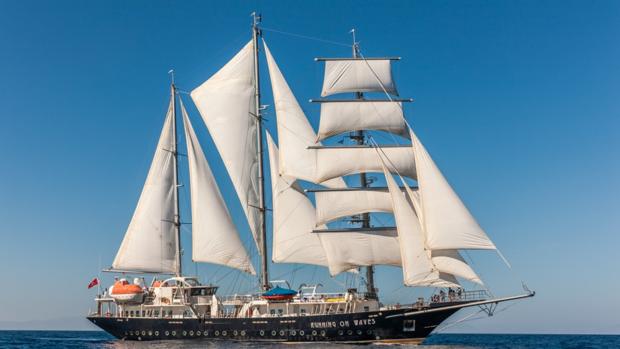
[{"x": 98, "y": 339}]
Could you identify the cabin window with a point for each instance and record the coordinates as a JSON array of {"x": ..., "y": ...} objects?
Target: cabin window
[
  {"x": 156, "y": 313},
  {"x": 280, "y": 311},
  {"x": 409, "y": 325},
  {"x": 131, "y": 313},
  {"x": 143, "y": 313},
  {"x": 169, "y": 313},
  {"x": 302, "y": 311},
  {"x": 272, "y": 312},
  {"x": 366, "y": 308}
]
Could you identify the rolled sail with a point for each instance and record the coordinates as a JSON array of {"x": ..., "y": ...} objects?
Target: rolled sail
[
  {"x": 358, "y": 75},
  {"x": 339, "y": 117},
  {"x": 215, "y": 238},
  {"x": 226, "y": 104},
  {"x": 335, "y": 162},
  {"x": 150, "y": 243}
]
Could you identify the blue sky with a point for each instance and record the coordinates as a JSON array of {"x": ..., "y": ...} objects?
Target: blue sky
[{"x": 517, "y": 101}]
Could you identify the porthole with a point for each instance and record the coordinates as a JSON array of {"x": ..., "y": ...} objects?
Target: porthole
[
  {"x": 223, "y": 333},
  {"x": 349, "y": 332},
  {"x": 369, "y": 332},
  {"x": 273, "y": 333},
  {"x": 243, "y": 332},
  {"x": 359, "y": 332},
  {"x": 323, "y": 333},
  {"x": 157, "y": 333},
  {"x": 184, "y": 333},
  {"x": 174, "y": 333},
  {"x": 144, "y": 333},
  {"x": 217, "y": 333},
  {"x": 235, "y": 333},
  {"x": 167, "y": 333},
  {"x": 191, "y": 333},
  {"x": 262, "y": 333},
  {"x": 314, "y": 332},
  {"x": 340, "y": 333},
  {"x": 206, "y": 333},
  {"x": 301, "y": 333},
  {"x": 293, "y": 332},
  {"x": 131, "y": 333},
  {"x": 281, "y": 333},
  {"x": 150, "y": 333},
  {"x": 198, "y": 333}
]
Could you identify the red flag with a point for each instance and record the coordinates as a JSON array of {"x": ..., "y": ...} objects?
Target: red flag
[{"x": 93, "y": 283}]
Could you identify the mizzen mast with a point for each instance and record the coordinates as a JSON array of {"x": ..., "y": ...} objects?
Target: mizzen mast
[
  {"x": 175, "y": 159},
  {"x": 264, "y": 271}
]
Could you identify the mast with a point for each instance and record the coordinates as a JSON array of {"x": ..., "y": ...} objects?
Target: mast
[
  {"x": 261, "y": 179},
  {"x": 177, "y": 220},
  {"x": 360, "y": 138}
]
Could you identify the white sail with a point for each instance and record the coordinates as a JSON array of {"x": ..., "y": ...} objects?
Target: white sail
[
  {"x": 295, "y": 134},
  {"x": 335, "y": 162},
  {"x": 418, "y": 268},
  {"x": 226, "y": 104},
  {"x": 346, "y": 251},
  {"x": 293, "y": 219},
  {"x": 294, "y": 241},
  {"x": 438, "y": 201},
  {"x": 150, "y": 243},
  {"x": 451, "y": 261},
  {"x": 358, "y": 75},
  {"x": 339, "y": 117},
  {"x": 446, "y": 261},
  {"x": 331, "y": 205},
  {"x": 215, "y": 238}
]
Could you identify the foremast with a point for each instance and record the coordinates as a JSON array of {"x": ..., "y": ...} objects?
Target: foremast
[
  {"x": 264, "y": 270},
  {"x": 360, "y": 139}
]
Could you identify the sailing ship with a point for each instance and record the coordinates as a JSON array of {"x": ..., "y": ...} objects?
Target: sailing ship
[{"x": 432, "y": 225}]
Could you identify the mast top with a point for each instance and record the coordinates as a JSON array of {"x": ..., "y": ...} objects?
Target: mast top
[
  {"x": 356, "y": 45},
  {"x": 171, "y": 73},
  {"x": 256, "y": 19}
]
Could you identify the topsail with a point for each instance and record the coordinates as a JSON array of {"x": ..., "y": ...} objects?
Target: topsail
[{"x": 358, "y": 75}]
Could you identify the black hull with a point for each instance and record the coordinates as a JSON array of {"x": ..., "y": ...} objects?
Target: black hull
[{"x": 362, "y": 327}]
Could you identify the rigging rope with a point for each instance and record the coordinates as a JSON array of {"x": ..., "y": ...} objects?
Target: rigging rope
[{"x": 305, "y": 37}]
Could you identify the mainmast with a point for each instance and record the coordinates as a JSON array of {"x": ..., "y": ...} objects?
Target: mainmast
[
  {"x": 360, "y": 138},
  {"x": 175, "y": 152},
  {"x": 261, "y": 179}
]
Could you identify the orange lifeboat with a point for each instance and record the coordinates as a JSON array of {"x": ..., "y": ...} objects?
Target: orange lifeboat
[{"x": 124, "y": 292}]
